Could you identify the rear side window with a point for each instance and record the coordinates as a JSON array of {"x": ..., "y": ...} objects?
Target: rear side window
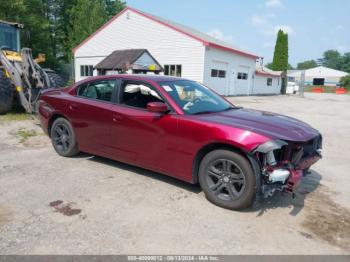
[{"x": 99, "y": 90}]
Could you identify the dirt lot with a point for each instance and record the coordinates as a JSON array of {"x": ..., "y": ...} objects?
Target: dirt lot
[{"x": 91, "y": 205}]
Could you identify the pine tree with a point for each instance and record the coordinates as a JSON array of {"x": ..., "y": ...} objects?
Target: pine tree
[{"x": 280, "y": 57}]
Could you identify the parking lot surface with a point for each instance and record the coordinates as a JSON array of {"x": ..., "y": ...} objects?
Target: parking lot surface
[{"x": 92, "y": 205}]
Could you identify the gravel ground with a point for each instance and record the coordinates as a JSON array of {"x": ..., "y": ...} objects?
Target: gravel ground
[{"x": 92, "y": 205}]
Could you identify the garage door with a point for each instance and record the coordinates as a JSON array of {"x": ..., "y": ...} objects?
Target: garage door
[
  {"x": 242, "y": 80},
  {"x": 218, "y": 77}
]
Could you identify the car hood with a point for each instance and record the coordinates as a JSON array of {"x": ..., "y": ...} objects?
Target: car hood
[{"x": 268, "y": 124}]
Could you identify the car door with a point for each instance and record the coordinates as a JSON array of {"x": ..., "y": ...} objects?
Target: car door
[
  {"x": 139, "y": 136},
  {"x": 90, "y": 114}
]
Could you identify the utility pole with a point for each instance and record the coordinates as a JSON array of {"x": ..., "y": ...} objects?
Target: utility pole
[{"x": 302, "y": 83}]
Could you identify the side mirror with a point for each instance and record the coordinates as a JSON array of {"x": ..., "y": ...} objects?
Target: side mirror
[{"x": 157, "y": 107}]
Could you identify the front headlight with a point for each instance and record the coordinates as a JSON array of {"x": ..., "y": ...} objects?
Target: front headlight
[
  {"x": 270, "y": 149},
  {"x": 270, "y": 146}
]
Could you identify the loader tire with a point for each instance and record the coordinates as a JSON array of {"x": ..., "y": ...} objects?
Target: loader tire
[
  {"x": 55, "y": 80},
  {"x": 6, "y": 93}
]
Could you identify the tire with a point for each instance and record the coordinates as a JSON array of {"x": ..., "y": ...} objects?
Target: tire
[
  {"x": 55, "y": 80},
  {"x": 6, "y": 93},
  {"x": 63, "y": 138},
  {"x": 227, "y": 179}
]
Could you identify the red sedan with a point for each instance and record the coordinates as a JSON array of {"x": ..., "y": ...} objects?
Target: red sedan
[{"x": 182, "y": 129}]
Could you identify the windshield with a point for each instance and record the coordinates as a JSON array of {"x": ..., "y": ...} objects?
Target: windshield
[
  {"x": 8, "y": 37},
  {"x": 195, "y": 98}
]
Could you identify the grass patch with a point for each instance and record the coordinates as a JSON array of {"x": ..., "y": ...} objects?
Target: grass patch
[
  {"x": 326, "y": 89},
  {"x": 16, "y": 114},
  {"x": 24, "y": 134},
  {"x": 14, "y": 117}
]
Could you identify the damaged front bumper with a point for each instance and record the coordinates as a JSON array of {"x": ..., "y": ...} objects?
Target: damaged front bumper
[{"x": 284, "y": 163}]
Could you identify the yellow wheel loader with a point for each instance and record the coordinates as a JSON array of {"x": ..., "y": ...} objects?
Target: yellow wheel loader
[{"x": 21, "y": 76}]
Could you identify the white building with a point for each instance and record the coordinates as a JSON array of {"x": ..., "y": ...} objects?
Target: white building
[
  {"x": 317, "y": 76},
  {"x": 267, "y": 81},
  {"x": 180, "y": 50}
]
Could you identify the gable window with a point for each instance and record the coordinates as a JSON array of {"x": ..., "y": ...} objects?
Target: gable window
[
  {"x": 173, "y": 70},
  {"x": 218, "y": 73},
  {"x": 242, "y": 76},
  {"x": 269, "y": 81},
  {"x": 86, "y": 70}
]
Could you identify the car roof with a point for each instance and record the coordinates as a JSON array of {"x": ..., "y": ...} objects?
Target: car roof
[{"x": 140, "y": 77}]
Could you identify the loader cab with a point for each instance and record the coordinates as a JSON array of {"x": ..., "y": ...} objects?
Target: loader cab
[{"x": 9, "y": 36}]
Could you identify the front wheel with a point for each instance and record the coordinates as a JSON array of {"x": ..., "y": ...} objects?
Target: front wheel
[
  {"x": 63, "y": 138},
  {"x": 227, "y": 179}
]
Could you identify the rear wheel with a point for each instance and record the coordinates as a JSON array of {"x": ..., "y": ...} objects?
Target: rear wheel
[
  {"x": 55, "y": 80},
  {"x": 227, "y": 179},
  {"x": 63, "y": 138},
  {"x": 6, "y": 93}
]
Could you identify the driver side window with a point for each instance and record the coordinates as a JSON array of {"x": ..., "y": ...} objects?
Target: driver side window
[{"x": 138, "y": 95}]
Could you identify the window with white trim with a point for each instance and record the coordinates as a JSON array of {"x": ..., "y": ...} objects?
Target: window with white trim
[
  {"x": 269, "y": 81},
  {"x": 242, "y": 76},
  {"x": 173, "y": 70},
  {"x": 86, "y": 70},
  {"x": 218, "y": 73}
]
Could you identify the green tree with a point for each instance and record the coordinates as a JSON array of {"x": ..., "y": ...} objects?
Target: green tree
[
  {"x": 280, "y": 57},
  {"x": 269, "y": 66},
  {"x": 86, "y": 17},
  {"x": 307, "y": 64},
  {"x": 113, "y": 7},
  {"x": 63, "y": 24},
  {"x": 37, "y": 32},
  {"x": 345, "y": 64},
  {"x": 332, "y": 59},
  {"x": 35, "y": 16},
  {"x": 11, "y": 10},
  {"x": 345, "y": 81},
  {"x": 54, "y": 27}
]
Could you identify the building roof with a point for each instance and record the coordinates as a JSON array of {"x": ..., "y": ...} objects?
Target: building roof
[
  {"x": 264, "y": 71},
  {"x": 18, "y": 25},
  {"x": 319, "y": 71},
  {"x": 292, "y": 71},
  {"x": 206, "y": 39},
  {"x": 120, "y": 59}
]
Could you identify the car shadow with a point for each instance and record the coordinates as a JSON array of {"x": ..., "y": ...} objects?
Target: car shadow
[
  {"x": 285, "y": 200},
  {"x": 144, "y": 172},
  {"x": 261, "y": 205}
]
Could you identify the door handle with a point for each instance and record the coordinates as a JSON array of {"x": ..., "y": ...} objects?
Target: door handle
[
  {"x": 117, "y": 118},
  {"x": 73, "y": 106}
]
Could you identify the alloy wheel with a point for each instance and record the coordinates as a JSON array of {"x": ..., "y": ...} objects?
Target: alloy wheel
[
  {"x": 62, "y": 137},
  {"x": 225, "y": 179}
]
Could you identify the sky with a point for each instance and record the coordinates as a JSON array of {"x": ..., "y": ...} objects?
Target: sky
[{"x": 313, "y": 26}]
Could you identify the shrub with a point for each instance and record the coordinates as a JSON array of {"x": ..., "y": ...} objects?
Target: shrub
[{"x": 345, "y": 81}]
